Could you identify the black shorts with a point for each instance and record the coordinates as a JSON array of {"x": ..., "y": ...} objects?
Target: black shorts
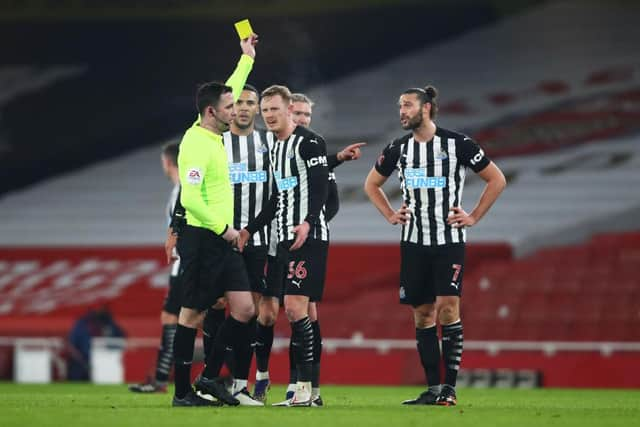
[
  {"x": 172, "y": 301},
  {"x": 274, "y": 285},
  {"x": 255, "y": 260},
  {"x": 208, "y": 268},
  {"x": 303, "y": 271},
  {"x": 430, "y": 271}
]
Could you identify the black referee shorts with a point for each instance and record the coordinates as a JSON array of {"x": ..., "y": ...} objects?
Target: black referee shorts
[
  {"x": 208, "y": 268},
  {"x": 303, "y": 271},
  {"x": 430, "y": 271}
]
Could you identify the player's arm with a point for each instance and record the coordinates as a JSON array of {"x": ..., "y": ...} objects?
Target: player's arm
[
  {"x": 472, "y": 156},
  {"x": 314, "y": 155},
  {"x": 350, "y": 152},
  {"x": 265, "y": 217},
  {"x": 178, "y": 221},
  {"x": 333, "y": 200},
  {"x": 378, "y": 175}
]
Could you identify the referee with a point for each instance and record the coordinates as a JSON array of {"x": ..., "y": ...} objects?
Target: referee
[
  {"x": 209, "y": 267},
  {"x": 432, "y": 163}
]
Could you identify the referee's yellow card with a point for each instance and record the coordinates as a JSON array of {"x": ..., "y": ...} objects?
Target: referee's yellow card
[{"x": 244, "y": 29}]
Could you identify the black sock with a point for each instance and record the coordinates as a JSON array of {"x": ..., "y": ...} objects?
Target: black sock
[
  {"x": 264, "y": 342},
  {"x": 303, "y": 347},
  {"x": 165, "y": 353},
  {"x": 317, "y": 354},
  {"x": 221, "y": 342},
  {"x": 212, "y": 322},
  {"x": 183, "y": 343},
  {"x": 429, "y": 352},
  {"x": 231, "y": 335},
  {"x": 293, "y": 368},
  {"x": 452, "y": 343},
  {"x": 243, "y": 336}
]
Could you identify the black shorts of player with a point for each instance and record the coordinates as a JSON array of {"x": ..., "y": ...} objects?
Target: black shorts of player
[
  {"x": 172, "y": 301},
  {"x": 274, "y": 285},
  {"x": 430, "y": 271},
  {"x": 303, "y": 271},
  {"x": 208, "y": 268},
  {"x": 255, "y": 261}
]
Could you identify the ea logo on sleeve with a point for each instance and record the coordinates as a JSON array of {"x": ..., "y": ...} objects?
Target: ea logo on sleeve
[{"x": 194, "y": 176}]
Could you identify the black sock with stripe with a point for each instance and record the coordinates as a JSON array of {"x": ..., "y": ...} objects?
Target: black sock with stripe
[{"x": 452, "y": 343}]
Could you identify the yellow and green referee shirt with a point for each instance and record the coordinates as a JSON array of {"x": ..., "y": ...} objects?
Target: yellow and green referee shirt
[{"x": 207, "y": 194}]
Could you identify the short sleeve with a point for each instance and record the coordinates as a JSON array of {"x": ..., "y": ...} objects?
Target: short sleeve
[
  {"x": 471, "y": 154},
  {"x": 388, "y": 160}
]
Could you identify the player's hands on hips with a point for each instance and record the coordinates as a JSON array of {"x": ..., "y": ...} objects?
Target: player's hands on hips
[
  {"x": 459, "y": 218},
  {"x": 302, "y": 231},
  {"x": 243, "y": 239},
  {"x": 350, "y": 152},
  {"x": 248, "y": 45},
  {"x": 169, "y": 245},
  {"x": 401, "y": 216}
]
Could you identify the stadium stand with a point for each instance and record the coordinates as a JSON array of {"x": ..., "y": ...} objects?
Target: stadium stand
[{"x": 550, "y": 269}]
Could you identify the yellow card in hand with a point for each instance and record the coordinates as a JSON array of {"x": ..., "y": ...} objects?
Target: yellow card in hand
[{"x": 244, "y": 29}]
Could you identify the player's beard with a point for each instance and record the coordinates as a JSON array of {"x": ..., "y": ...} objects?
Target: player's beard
[
  {"x": 242, "y": 126},
  {"x": 414, "y": 122}
]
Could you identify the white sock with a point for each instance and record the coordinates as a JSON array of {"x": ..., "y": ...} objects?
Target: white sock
[
  {"x": 239, "y": 385},
  {"x": 315, "y": 391},
  {"x": 262, "y": 375},
  {"x": 303, "y": 390},
  {"x": 291, "y": 387}
]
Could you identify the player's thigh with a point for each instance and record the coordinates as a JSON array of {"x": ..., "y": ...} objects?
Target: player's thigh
[
  {"x": 255, "y": 259},
  {"x": 416, "y": 285},
  {"x": 306, "y": 270},
  {"x": 449, "y": 269}
]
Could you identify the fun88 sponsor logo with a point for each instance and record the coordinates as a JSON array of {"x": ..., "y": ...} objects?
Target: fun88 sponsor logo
[
  {"x": 239, "y": 174},
  {"x": 417, "y": 178},
  {"x": 286, "y": 183}
]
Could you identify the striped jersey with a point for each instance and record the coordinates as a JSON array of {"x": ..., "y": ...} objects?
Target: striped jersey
[
  {"x": 171, "y": 203},
  {"x": 432, "y": 178},
  {"x": 249, "y": 173},
  {"x": 299, "y": 164}
]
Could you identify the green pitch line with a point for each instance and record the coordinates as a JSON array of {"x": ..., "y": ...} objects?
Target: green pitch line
[{"x": 85, "y": 405}]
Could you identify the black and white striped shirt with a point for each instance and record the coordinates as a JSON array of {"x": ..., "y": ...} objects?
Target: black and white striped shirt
[
  {"x": 432, "y": 178},
  {"x": 250, "y": 176},
  {"x": 301, "y": 177},
  {"x": 171, "y": 203}
]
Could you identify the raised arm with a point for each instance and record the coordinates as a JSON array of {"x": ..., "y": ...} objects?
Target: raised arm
[{"x": 238, "y": 78}]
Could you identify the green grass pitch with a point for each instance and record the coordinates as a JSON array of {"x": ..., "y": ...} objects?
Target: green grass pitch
[{"x": 87, "y": 405}]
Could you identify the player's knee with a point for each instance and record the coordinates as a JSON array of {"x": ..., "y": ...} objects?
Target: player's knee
[
  {"x": 424, "y": 315},
  {"x": 191, "y": 318},
  {"x": 267, "y": 318},
  {"x": 294, "y": 313},
  {"x": 244, "y": 313},
  {"x": 448, "y": 313},
  {"x": 168, "y": 318}
]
